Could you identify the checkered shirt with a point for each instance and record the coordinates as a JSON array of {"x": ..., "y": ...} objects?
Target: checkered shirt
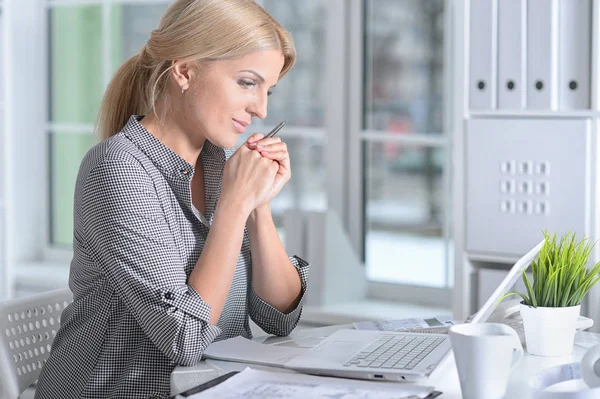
[{"x": 137, "y": 238}]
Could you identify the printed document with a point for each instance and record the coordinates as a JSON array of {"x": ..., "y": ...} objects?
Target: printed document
[
  {"x": 406, "y": 324},
  {"x": 256, "y": 384}
]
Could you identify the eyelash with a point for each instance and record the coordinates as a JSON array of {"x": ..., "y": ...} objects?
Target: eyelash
[{"x": 247, "y": 83}]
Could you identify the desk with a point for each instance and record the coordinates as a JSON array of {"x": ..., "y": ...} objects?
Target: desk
[{"x": 444, "y": 378}]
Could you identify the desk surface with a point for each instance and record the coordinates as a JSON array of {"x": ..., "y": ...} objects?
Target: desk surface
[{"x": 444, "y": 378}]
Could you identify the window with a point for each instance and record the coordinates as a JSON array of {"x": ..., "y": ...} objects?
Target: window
[
  {"x": 87, "y": 45},
  {"x": 388, "y": 156},
  {"x": 404, "y": 145},
  {"x": 76, "y": 86},
  {"x": 300, "y": 99}
]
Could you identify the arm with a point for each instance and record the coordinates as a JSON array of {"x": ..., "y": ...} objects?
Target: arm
[
  {"x": 278, "y": 282},
  {"x": 213, "y": 274},
  {"x": 274, "y": 278},
  {"x": 129, "y": 237}
]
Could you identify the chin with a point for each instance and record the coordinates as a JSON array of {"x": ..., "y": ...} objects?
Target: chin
[{"x": 227, "y": 143}]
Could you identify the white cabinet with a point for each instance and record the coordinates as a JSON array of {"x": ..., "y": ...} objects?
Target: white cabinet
[{"x": 519, "y": 170}]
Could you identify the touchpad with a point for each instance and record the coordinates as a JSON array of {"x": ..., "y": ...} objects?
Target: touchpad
[{"x": 339, "y": 349}]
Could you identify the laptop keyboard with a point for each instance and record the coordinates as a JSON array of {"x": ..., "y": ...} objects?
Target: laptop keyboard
[{"x": 395, "y": 352}]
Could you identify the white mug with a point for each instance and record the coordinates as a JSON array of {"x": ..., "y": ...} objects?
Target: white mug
[{"x": 484, "y": 354}]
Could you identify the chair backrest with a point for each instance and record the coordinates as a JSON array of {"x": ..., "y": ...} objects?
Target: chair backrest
[{"x": 27, "y": 328}]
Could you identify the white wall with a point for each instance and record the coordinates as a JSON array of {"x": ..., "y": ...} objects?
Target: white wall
[{"x": 25, "y": 118}]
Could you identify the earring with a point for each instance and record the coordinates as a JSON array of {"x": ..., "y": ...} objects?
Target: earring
[{"x": 182, "y": 89}]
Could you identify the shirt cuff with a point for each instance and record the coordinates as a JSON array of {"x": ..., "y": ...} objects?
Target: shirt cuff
[
  {"x": 272, "y": 320},
  {"x": 186, "y": 299}
]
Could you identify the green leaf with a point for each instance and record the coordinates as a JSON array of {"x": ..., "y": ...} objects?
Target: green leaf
[
  {"x": 560, "y": 273},
  {"x": 533, "y": 301},
  {"x": 525, "y": 299}
]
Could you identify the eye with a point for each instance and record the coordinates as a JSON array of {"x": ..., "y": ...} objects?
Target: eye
[{"x": 246, "y": 83}]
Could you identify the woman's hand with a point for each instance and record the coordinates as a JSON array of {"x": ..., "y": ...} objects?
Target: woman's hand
[
  {"x": 274, "y": 149},
  {"x": 248, "y": 180}
]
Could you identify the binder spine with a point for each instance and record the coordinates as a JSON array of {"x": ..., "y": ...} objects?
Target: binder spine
[
  {"x": 512, "y": 54},
  {"x": 542, "y": 54},
  {"x": 483, "y": 50},
  {"x": 575, "y": 54}
]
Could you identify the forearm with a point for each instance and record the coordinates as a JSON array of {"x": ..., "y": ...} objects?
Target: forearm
[
  {"x": 274, "y": 278},
  {"x": 213, "y": 273}
]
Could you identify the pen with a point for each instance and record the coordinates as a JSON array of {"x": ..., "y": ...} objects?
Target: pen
[{"x": 275, "y": 130}]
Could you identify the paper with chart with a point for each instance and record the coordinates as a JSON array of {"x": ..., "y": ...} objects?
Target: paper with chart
[{"x": 256, "y": 384}]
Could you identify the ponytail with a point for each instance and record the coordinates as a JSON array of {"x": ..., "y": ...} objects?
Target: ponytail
[{"x": 125, "y": 95}]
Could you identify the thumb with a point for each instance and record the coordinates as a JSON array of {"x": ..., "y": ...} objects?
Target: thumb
[
  {"x": 277, "y": 182},
  {"x": 254, "y": 138}
]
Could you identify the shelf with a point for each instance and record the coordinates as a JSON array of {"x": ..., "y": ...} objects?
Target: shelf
[
  {"x": 492, "y": 258},
  {"x": 566, "y": 114}
]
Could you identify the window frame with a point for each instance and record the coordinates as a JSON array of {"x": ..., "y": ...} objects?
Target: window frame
[{"x": 342, "y": 131}]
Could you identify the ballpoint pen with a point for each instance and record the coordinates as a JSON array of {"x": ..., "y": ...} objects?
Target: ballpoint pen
[
  {"x": 275, "y": 130},
  {"x": 270, "y": 134}
]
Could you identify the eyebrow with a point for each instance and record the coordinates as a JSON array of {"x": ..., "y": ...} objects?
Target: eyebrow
[{"x": 260, "y": 78}]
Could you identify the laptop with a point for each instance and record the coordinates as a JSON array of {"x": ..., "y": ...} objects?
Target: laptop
[{"x": 390, "y": 355}]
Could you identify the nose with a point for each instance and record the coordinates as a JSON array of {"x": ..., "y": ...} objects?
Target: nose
[{"x": 258, "y": 107}]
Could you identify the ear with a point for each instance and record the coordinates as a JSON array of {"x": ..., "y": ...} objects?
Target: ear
[{"x": 182, "y": 73}]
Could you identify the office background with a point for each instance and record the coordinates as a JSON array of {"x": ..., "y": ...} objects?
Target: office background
[{"x": 387, "y": 127}]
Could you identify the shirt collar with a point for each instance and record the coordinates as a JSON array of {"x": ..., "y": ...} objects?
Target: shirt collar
[{"x": 166, "y": 159}]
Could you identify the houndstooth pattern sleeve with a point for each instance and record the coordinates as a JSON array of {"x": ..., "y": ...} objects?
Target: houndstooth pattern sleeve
[
  {"x": 132, "y": 244},
  {"x": 272, "y": 320}
]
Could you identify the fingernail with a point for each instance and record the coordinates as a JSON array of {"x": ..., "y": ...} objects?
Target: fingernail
[{"x": 260, "y": 147}]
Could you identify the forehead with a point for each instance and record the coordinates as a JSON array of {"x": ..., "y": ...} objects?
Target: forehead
[{"x": 266, "y": 63}]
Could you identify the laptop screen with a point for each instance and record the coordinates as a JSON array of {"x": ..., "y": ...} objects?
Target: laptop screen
[{"x": 511, "y": 278}]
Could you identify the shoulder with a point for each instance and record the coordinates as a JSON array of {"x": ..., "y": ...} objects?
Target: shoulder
[
  {"x": 117, "y": 148},
  {"x": 113, "y": 163}
]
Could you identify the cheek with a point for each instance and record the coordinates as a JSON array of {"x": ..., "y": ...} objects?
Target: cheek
[
  {"x": 204, "y": 106},
  {"x": 238, "y": 98},
  {"x": 217, "y": 105}
]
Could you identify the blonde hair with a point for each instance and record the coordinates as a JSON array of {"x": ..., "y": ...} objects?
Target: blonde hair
[{"x": 190, "y": 31}]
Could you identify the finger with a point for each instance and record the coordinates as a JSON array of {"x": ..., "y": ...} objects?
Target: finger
[
  {"x": 280, "y": 146},
  {"x": 278, "y": 182},
  {"x": 280, "y": 179},
  {"x": 243, "y": 148},
  {"x": 268, "y": 141},
  {"x": 275, "y": 168},
  {"x": 278, "y": 156},
  {"x": 283, "y": 163},
  {"x": 254, "y": 138}
]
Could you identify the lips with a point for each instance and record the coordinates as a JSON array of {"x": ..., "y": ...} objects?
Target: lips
[{"x": 240, "y": 126}]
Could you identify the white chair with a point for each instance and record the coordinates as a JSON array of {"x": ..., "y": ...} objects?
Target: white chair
[{"x": 27, "y": 328}]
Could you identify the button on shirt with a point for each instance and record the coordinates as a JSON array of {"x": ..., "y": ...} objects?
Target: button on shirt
[{"x": 137, "y": 238}]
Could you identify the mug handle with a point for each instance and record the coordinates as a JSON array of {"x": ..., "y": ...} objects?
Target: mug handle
[{"x": 517, "y": 347}]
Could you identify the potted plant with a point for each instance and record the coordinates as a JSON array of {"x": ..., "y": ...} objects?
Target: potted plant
[{"x": 551, "y": 307}]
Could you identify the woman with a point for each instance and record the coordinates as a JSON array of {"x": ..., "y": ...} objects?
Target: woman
[{"x": 174, "y": 242}]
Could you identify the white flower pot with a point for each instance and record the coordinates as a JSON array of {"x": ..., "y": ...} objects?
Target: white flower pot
[{"x": 549, "y": 331}]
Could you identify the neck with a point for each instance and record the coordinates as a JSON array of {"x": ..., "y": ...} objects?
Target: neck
[{"x": 173, "y": 136}]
